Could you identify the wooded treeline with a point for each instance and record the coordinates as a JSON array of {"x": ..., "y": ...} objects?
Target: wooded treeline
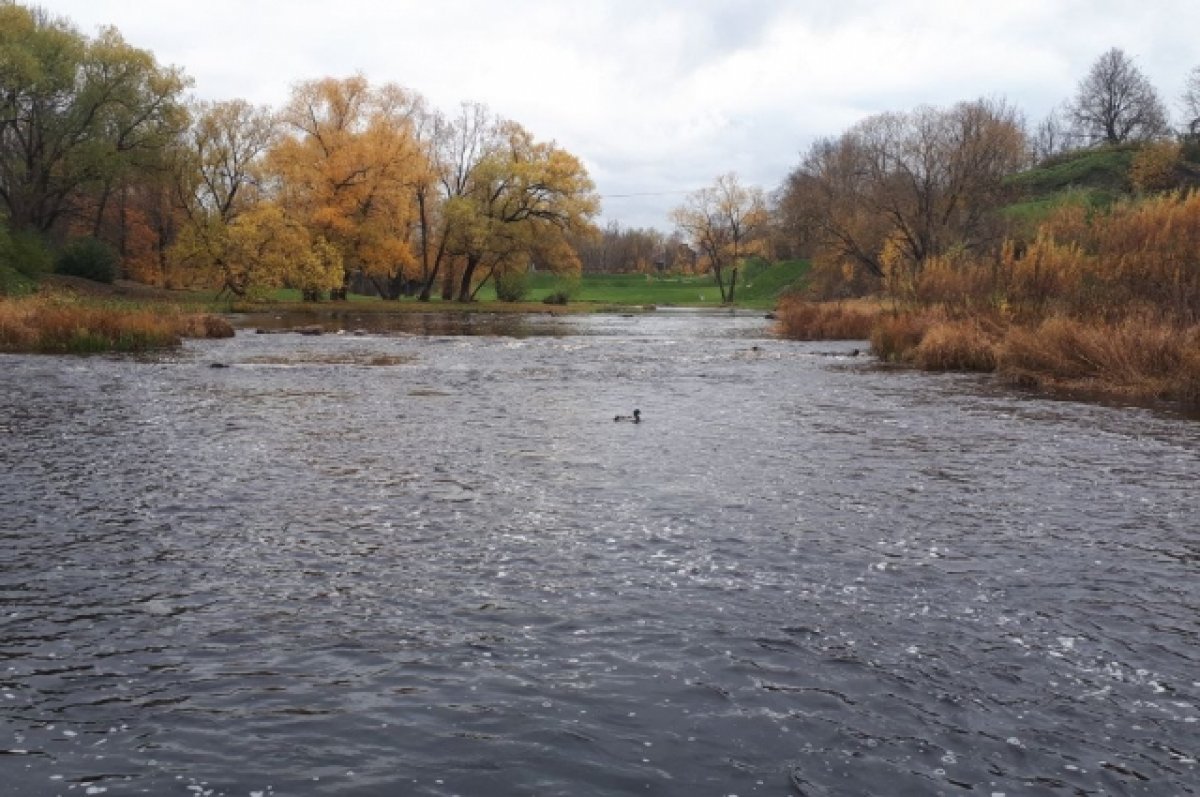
[
  {"x": 356, "y": 184},
  {"x": 971, "y": 190},
  {"x": 347, "y": 181}
]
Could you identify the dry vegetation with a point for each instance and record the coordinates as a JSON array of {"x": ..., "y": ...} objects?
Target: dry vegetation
[
  {"x": 1106, "y": 302},
  {"x": 69, "y": 324},
  {"x": 848, "y": 320}
]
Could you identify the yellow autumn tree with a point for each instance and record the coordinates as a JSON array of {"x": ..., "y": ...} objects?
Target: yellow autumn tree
[
  {"x": 727, "y": 222},
  {"x": 260, "y": 249},
  {"x": 219, "y": 178},
  {"x": 524, "y": 198},
  {"x": 347, "y": 168}
]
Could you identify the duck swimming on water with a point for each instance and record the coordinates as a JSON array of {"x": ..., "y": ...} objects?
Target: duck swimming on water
[{"x": 635, "y": 418}]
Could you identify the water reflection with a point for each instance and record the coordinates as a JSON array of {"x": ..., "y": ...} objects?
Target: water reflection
[
  {"x": 437, "y": 324},
  {"x": 432, "y": 564}
]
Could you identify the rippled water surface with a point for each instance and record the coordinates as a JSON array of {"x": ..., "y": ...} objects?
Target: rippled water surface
[{"x": 416, "y": 561}]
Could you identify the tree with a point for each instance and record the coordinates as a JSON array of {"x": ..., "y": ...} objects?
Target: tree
[
  {"x": 910, "y": 186},
  {"x": 76, "y": 115},
  {"x": 454, "y": 149},
  {"x": 219, "y": 176},
  {"x": 522, "y": 198},
  {"x": 727, "y": 223},
  {"x": 261, "y": 248},
  {"x": 348, "y": 170},
  {"x": 1115, "y": 102},
  {"x": 1190, "y": 103},
  {"x": 1052, "y": 136}
]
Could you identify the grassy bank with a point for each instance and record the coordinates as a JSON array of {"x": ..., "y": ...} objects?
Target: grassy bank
[
  {"x": 1102, "y": 300},
  {"x": 760, "y": 286},
  {"x": 1139, "y": 358},
  {"x": 69, "y": 324}
]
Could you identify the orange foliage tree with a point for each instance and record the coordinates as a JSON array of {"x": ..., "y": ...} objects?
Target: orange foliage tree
[{"x": 348, "y": 167}]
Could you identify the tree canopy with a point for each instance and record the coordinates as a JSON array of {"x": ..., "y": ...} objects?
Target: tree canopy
[
  {"x": 75, "y": 113},
  {"x": 1115, "y": 102},
  {"x": 727, "y": 222},
  {"x": 899, "y": 188}
]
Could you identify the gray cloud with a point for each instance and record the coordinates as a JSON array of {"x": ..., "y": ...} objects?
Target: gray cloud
[{"x": 661, "y": 97}]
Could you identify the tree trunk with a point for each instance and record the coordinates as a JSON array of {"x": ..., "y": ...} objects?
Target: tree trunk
[
  {"x": 732, "y": 283},
  {"x": 720, "y": 282},
  {"x": 464, "y": 286}
]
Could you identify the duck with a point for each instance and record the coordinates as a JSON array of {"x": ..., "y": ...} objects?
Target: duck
[{"x": 635, "y": 418}]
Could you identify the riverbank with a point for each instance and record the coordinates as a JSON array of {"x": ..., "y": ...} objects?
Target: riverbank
[
  {"x": 1137, "y": 358},
  {"x": 66, "y": 322}
]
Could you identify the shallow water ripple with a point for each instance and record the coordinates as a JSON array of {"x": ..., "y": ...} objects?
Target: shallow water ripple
[{"x": 425, "y": 562}]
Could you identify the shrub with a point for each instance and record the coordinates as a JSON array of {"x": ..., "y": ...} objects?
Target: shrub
[
  {"x": 68, "y": 325},
  {"x": 956, "y": 346},
  {"x": 556, "y": 297},
  {"x": 803, "y": 320},
  {"x": 90, "y": 259},
  {"x": 23, "y": 258},
  {"x": 512, "y": 286},
  {"x": 1136, "y": 357},
  {"x": 896, "y": 337}
]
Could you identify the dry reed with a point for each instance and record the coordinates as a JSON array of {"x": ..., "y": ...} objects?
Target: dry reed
[
  {"x": 957, "y": 346},
  {"x": 1136, "y": 357},
  {"x": 57, "y": 324},
  {"x": 806, "y": 320}
]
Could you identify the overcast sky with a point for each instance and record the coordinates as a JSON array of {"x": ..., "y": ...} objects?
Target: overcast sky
[{"x": 658, "y": 97}]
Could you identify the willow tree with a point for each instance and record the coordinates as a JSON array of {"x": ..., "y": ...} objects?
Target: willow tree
[
  {"x": 219, "y": 177},
  {"x": 727, "y": 222},
  {"x": 76, "y": 115},
  {"x": 347, "y": 166},
  {"x": 524, "y": 198}
]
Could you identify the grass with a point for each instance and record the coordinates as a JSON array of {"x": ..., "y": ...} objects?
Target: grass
[
  {"x": 1101, "y": 168},
  {"x": 850, "y": 320},
  {"x": 1032, "y": 212},
  {"x": 762, "y": 290},
  {"x": 1137, "y": 358},
  {"x": 757, "y": 288},
  {"x": 64, "y": 324}
]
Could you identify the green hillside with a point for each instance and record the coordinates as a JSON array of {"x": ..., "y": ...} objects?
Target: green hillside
[{"x": 1094, "y": 178}]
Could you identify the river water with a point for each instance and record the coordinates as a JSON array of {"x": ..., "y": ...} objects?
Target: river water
[{"x": 424, "y": 560}]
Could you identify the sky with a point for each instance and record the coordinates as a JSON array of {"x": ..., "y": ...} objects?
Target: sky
[{"x": 659, "y": 97}]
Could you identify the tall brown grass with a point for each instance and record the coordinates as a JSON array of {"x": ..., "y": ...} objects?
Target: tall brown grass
[
  {"x": 1107, "y": 301},
  {"x": 807, "y": 320},
  {"x": 1136, "y": 357},
  {"x": 61, "y": 324}
]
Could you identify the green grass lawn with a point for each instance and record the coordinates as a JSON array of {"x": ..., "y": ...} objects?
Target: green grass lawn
[{"x": 759, "y": 286}]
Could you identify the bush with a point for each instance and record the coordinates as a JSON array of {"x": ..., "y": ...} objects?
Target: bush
[
  {"x": 557, "y": 297},
  {"x": 512, "y": 287},
  {"x": 801, "y": 320},
  {"x": 90, "y": 259},
  {"x": 23, "y": 258},
  {"x": 956, "y": 346},
  {"x": 896, "y": 337}
]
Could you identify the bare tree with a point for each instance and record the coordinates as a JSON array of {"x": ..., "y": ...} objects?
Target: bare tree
[
  {"x": 1115, "y": 102},
  {"x": 1052, "y": 136},
  {"x": 1190, "y": 102},
  {"x": 914, "y": 185}
]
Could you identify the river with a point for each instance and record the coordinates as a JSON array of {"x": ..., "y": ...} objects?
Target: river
[{"x": 420, "y": 558}]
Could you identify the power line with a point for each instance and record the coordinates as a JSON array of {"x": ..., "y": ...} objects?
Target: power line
[{"x": 643, "y": 193}]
